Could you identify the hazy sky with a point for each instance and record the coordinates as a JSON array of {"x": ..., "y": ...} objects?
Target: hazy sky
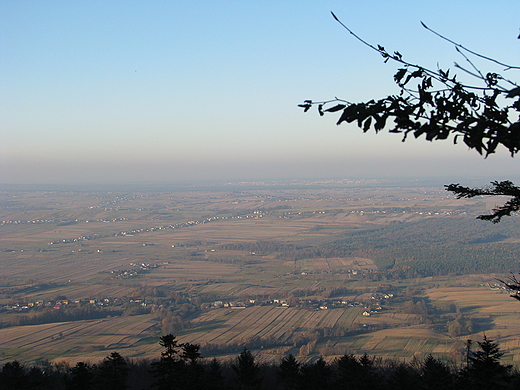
[{"x": 130, "y": 91}]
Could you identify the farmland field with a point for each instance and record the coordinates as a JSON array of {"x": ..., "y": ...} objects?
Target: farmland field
[{"x": 388, "y": 271}]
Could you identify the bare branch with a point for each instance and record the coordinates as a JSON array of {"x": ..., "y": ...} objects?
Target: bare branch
[{"x": 458, "y": 45}]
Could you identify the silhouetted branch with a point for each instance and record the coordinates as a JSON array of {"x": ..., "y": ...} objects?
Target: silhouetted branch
[
  {"x": 458, "y": 45},
  {"x": 505, "y": 188},
  {"x": 439, "y": 107},
  {"x": 513, "y": 284}
]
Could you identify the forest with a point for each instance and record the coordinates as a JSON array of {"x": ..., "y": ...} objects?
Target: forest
[{"x": 428, "y": 247}]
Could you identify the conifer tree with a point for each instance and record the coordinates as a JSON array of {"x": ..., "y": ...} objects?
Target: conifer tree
[
  {"x": 402, "y": 376},
  {"x": 192, "y": 372},
  {"x": 484, "y": 370},
  {"x": 349, "y": 373},
  {"x": 247, "y": 371},
  {"x": 13, "y": 376},
  {"x": 288, "y": 373},
  {"x": 436, "y": 375},
  {"x": 113, "y": 372},
  {"x": 317, "y": 375},
  {"x": 213, "y": 378},
  {"x": 81, "y": 377},
  {"x": 167, "y": 370}
]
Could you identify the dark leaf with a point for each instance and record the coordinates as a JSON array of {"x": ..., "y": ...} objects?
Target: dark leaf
[
  {"x": 408, "y": 78},
  {"x": 491, "y": 146},
  {"x": 427, "y": 83},
  {"x": 443, "y": 74},
  {"x": 336, "y": 108},
  {"x": 399, "y": 75},
  {"x": 367, "y": 124},
  {"x": 514, "y": 92},
  {"x": 305, "y": 107},
  {"x": 343, "y": 117},
  {"x": 380, "y": 122}
]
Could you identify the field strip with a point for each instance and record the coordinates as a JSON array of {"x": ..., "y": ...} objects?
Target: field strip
[
  {"x": 331, "y": 318},
  {"x": 252, "y": 324},
  {"x": 393, "y": 345},
  {"x": 415, "y": 345},
  {"x": 312, "y": 320},
  {"x": 443, "y": 347},
  {"x": 280, "y": 321},
  {"x": 35, "y": 334},
  {"x": 231, "y": 326},
  {"x": 373, "y": 342},
  {"x": 349, "y": 316},
  {"x": 126, "y": 324},
  {"x": 286, "y": 324},
  {"x": 288, "y": 333},
  {"x": 243, "y": 317},
  {"x": 66, "y": 335}
]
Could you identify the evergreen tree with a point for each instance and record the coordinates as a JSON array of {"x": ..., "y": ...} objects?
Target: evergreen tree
[
  {"x": 288, "y": 373},
  {"x": 13, "y": 376},
  {"x": 436, "y": 375},
  {"x": 484, "y": 370},
  {"x": 113, "y": 372},
  {"x": 167, "y": 371},
  {"x": 317, "y": 375},
  {"x": 247, "y": 371},
  {"x": 349, "y": 374},
  {"x": 402, "y": 377},
  {"x": 372, "y": 379},
  {"x": 37, "y": 378},
  {"x": 193, "y": 372},
  {"x": 190, "y": 353},
  {"x": 81, "y": 376},
  {"x": 170, "y": 345},
  {"x": 213, "y": 378}
]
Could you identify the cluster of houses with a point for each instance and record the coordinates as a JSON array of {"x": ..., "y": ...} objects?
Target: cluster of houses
[
  {"x": 19, "y": 221},
  {"x": 129, "y": 273},
  {"x": 317, "y": 304},
  {"x": 61, "y": 303},
  {"x": 77, "y": 239},
  {"x": 55, "y": 221},
  {"x": 133, "y": 232},
  {"x": 130, "y": 233}
]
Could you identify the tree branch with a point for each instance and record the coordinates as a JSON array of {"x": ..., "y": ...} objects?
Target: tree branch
[
  {"x": 458, "y": 45},
  {"x": 505, "y": 188}
]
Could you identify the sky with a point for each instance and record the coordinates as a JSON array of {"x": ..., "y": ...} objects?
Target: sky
[{"x": 134, "y": 91}]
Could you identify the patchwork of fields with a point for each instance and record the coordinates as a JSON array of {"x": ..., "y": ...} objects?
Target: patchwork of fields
[{"x": 309, "y": 272}]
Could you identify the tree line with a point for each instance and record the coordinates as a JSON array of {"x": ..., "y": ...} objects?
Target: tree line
[{"x": 181, "y": 366}]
